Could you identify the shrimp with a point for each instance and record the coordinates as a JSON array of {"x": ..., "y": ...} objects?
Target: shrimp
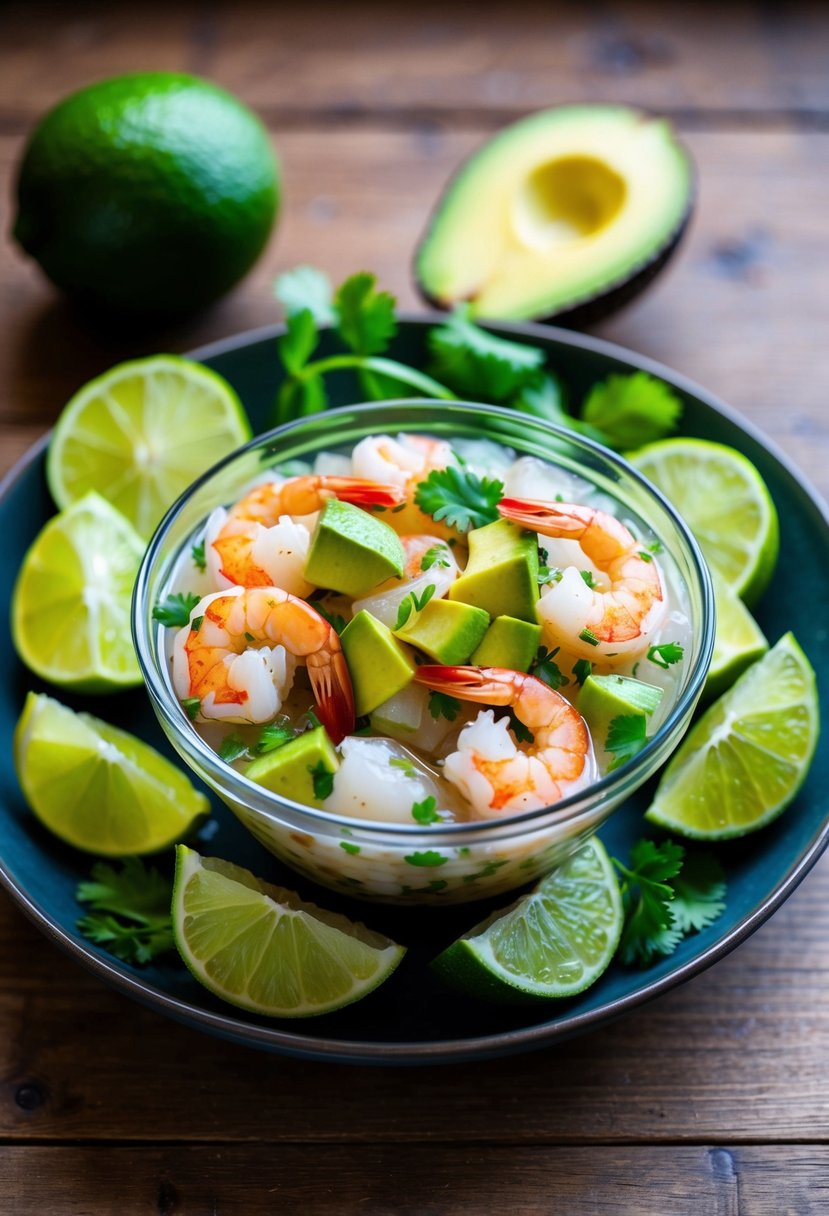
[
  {"x": 491, "y": 770},
  {"x": 258, "y": 544},
  {"x": 405, "y": 462},
  {"x": 614, "y": 620},
  {"x": 228, "y": 657}
]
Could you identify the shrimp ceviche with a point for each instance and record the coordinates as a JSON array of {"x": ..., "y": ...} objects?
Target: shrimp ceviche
[{"x": 422, "y": 632}]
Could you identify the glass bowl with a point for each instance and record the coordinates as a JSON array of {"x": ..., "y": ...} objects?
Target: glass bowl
[{"x": 402, "y": 863}]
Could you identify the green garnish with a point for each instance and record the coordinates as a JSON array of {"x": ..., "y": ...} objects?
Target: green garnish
[
  {"x": 191, "y": 706},
  {"x": 175, "y": 609},
  {"x": 461, "y": 498},
  {"x": 232, "y": 748},
  {"x": 413, "y": 603},
  {"x": 632, "y": 410},
  {"x": 196, "y": 623},
  {"x": 581, "y": 670},
  {"x": 424, "y": 812},
  {"x": 666, "y": 654},
  {"x": 273, "y": 736},
  {"x": 588, "y": 578},
  {"x": 429, "y": 858},
  {"x": 656, "y": 547},
  {"x": 436, "y": 556},
  {"x": 197, "y": 554},
  {"x": 335, "y": 619},
  {"x": 626, "y": 736},
  {"x": 129, "y": 910},
  {"x": 549, "y": 574},
  {"x": 645, "y": 556},
  {"x": 477, "y": 364},
  {"x": 249, "y": 637},
  {"x": 441, "y": 705},
  {"x": 545, "y": 669},
  {"x": 522, "y": 733},
  {"x": 323, "y": 780},
  {"x": 405, "y": 765},
  {"x": 353, "y": 849},
  {"x": 588, "y": 636}
]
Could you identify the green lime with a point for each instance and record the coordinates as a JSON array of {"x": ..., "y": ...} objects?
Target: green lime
[
  {"x": 97, "y": 787},
  {"x": 149, "y": 193},
  {"x": 724, "y": 501},
  {"x": 748, "y": 755},
  {"x": 71, "y": 601},
  {"x": 554, "y": 942},
  {"x": 739, "y": 641},
  {"x": 141, "y": 433},
  {"x": 262, "y": 948}
]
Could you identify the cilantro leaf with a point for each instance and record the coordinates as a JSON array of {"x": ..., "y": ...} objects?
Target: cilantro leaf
[
  {"x": 232, "y": 748},
  {"x": 197, "y": 554},
  {"x": 545, "y": 669},
  {"x": 549, "y": 574},
  {"x": 365, "y": 316},
  {"x": 460, "y": 497},
  {"x": 588, "y": 578},
  {"x": 581, "y": 670},
  {"x": 436, "y": 556},
  {"x": 175, "y": 609},
  {"x": 477, "y": 364},
  {"x": 522, "y": 733},
  {"x": 441, "y": 705},
  {"x": 647, "y": 897},
  {"x": 306, "y": 289},
  {"x": 699, "y": 893},
  {"x": 191, "y": 706},
  {"x": 665, "y": 654},
  {"x": 335, "y": 619},
  {"x": 323, "y": 780},
  {"x": 129, "y": 910},
  {"x": 626, "y": 735},
  {"x": 429, "y": 858},
  {"x": 544, "y": 398},
  {"x": 424, "y": 812},
  {"x": 630, "y": 411},
  {"x": 404, "y": 764},
  {"x": 274, "y": 735},
  {"x": 299, "y": 341}
]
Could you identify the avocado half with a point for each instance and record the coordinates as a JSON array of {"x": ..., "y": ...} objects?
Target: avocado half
[{"x": 565, "y": 215}]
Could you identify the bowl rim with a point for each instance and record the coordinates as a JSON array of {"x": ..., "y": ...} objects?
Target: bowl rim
[{"x": 569, "y": 809}]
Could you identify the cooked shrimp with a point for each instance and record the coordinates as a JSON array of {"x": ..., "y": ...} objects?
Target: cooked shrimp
[
  {"x": 258, "y": 544},
  {"x": 490, "y": 769},
  {"x": 614, "y": 620},
  {"x": 228, "y": 657},
  {"x": 384, "y": 601},
  {"x": 404, "y": 462}
]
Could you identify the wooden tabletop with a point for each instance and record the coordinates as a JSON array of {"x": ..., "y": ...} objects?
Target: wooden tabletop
[{"x": 713, "y": 1099}]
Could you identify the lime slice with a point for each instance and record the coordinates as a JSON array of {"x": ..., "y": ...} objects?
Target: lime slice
[
  {"x": 739, "y": 641},
  {"x": 97, "y": 787},
  {"x": 724, "y": 501},
  {"x": 71, "y": 602},
  {"x": 554, "y": 942},
  {"x": 141, "y": 433},
  {"x": 261, "y": 948},
  {"x": 747, "y": 756}
]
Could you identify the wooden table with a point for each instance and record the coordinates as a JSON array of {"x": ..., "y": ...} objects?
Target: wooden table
[{"x": 711, "y": 1100}]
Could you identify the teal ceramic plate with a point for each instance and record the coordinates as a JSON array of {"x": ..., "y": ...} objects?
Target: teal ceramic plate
[{"x": 412, "y": 1019}]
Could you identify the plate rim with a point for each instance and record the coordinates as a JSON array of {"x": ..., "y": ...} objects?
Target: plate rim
[{"x": 443, "y": 1051}]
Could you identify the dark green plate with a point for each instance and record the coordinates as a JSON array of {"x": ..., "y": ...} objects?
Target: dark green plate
[{"x": 412, "y": 1018}]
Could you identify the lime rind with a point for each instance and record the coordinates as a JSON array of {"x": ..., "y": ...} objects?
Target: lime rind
[
  {"x": 747, "y": 757},
  {"x": 264, "y": 950},
  {"x": 141, "y": 433},
  {"x": 739, "y": 641},
  {"x": 553, "y": 943}
]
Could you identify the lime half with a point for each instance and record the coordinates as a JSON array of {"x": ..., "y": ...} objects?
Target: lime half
[
  {"x": 71, "y": 602},
  {"x": 739, "y": 641},
  {"x": 141, "y": 433},
  {"x": 554, "y": 942},
  {"x": 261, "y": 948},
  {"x": 747, "y": 756},
  {"x": 724, "y": 501},
  {"x": 97, "y": 787}
]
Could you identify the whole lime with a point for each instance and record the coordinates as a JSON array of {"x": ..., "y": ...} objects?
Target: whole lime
[{"x": 149, "y": 193}]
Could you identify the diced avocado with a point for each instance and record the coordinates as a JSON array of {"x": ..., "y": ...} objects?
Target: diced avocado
[
  {"x": 352, "y": 550},
  {"x": 567, "y": 213},
  {"x": 447, "y": 630},
  {"x": 603, "y": 698},
  {"x": 501, "y": 575},
  {"x": 289, "y": 770},
  {"x": 508, "y": 643},
  {"x": 379, "y": 665}
]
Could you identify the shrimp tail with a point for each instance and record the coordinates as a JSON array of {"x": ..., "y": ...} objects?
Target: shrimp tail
[
  {"x": 333, "y": 692},
  {"x": 364, "y": 493},
  {"x": 559, "y": 519},
  {"x": 491, "y": 685}
]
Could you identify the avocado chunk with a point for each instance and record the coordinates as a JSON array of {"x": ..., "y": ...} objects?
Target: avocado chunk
[
  {"x": 447, "y": 630},
  {"x": 289, "y": 770},
  {"x": 379, "y": 665},
  {"x": 508, "y": 643},
  {"x": 603, "y": 698},
  {"x": 351, "y": 550},
  {"x": 567, "y": 213},
  {"x": 501, "y": 575}
]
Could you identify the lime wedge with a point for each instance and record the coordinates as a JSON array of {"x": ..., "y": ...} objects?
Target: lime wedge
[
  {"x": 141, "y": 433},
  {"x": 724, "y": 501},
  {"x": 554, "y": 942},
  {"x": 261, "y": 948},
  {"x": 739, "y": 641},
  {"x": 71, "y": 602},
  {"x": 97, "y": 787},
  {"x": 747, "y": 756}
]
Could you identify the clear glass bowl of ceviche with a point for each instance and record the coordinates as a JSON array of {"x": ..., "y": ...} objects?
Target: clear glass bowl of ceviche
[{"x": 423, "y": 650}]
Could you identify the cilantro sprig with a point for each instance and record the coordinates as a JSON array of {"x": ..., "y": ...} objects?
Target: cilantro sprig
[
  {"x": 441, "y": 705},
  {"x": 545, "y": 668},
  {"x": 666, "y": 654},
  {"x": 175, "y": 610},
  {"x": 626, "y": 736},
  {"x": 413, "y": 603},
  {"x": 128, "y": 910},
  {"x": 460, "y": 497}
]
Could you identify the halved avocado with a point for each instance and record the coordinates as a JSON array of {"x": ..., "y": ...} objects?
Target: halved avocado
[{"x": 566, "y": 214}]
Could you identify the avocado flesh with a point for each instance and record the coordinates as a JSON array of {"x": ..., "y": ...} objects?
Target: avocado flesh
[
  {"x": 564, "y": 206},
  {"x": 379, "y": 665},
  {"x": 446, "y": 630},
  {"x": 508, "y": 643},
  {"x": 289, "y": 770}
]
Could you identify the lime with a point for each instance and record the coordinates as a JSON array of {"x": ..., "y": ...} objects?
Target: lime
[
  {"x": 747, "y": 756},
  {"x": 149, "y": 193},
  {"x": 724, "y": 501},
  {"x": 71, "y": 601},
  {"x": 262, "y": 948},
  {"x": 141, "y": 433},
  {"x": 97, "y": 787},
  {"x": 739, "y": 641},
  {"x": 554, "y": 942}
]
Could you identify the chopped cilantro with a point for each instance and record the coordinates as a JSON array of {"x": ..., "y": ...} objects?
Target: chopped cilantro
[
  {"x": 436, "y": 556},
  {"x": 424, "y": 812},
  {"x": 441, "y": 705},
  {"x": 645, "y": 556},
  {"x": 429, "y": 858},
  {"x": 323, "y": 780},
  {"x": 196, "y": 623},
  {"x": 626, "y": 736},
  {"x": 335, "y": 619},
  {"x": 249, "y": 637},
  {"x": 549, "y": 574},
  {"x": 412, "y": 602},
  {"x": 129, "y": 910},
  {"x": 273, "y": 736},
  {"x": 460, "y": 497},
  {"x": 665, "y": 654},
  {"x": 545, "y": 669},
  {"x": 588, "y": 636},
  {"x": 522, "y": 733},
  {"x": 197, "y": 554},
  {"x": 588, "y": 578},
  {"x": 656, "y": 547},
  {"x": 175, "y": 609},
  {"x": 353, "y": 849},
  {"x": 581, "y": 670},
  {"x": 191, "y": 706},
  {"x": 404, "y": 764},
  {"x": 232, "y": 748}
]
